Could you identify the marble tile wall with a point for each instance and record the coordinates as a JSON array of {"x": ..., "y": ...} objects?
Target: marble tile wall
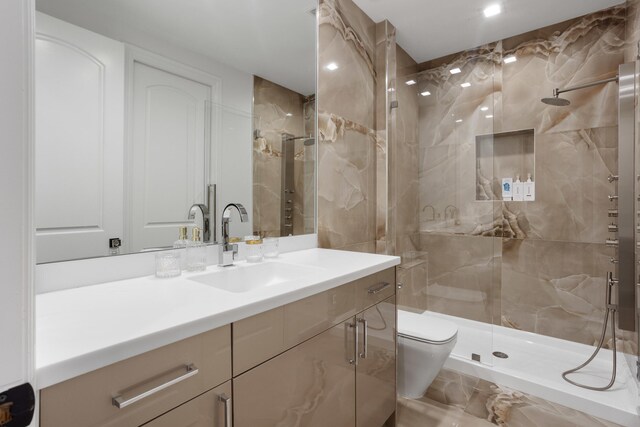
[
  {"x": 537, "y": 266},
  {"x": 347, "y": 128},
  {"x": 461, "y": 400},
  {"x": 279, "y": 110}
]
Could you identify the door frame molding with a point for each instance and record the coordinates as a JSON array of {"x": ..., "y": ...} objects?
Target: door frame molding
[
  {"x": 133, "y": 55},
  {"x": 18, "y": 170}
]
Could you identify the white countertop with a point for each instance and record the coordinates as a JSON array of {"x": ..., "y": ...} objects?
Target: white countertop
[{"x": 83, "y": 329}]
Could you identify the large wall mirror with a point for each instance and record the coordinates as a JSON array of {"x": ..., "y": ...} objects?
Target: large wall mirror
[{"x": 155, "y": 114}]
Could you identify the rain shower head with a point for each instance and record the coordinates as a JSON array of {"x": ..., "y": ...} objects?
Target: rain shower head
[{"x": 556, "y": 101}]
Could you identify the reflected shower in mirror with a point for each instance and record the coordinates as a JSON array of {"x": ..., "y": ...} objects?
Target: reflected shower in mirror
[{"x": 146, "y": 122}]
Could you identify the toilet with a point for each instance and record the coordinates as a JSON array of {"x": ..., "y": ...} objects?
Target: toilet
[{"x": 424, "y": 343}]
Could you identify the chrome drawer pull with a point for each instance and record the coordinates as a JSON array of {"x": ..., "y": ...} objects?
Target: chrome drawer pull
[
  {"x": 378, "y": 288},
  {"x": 226, "y": 400},
  {"x": 122, "y": 401}
]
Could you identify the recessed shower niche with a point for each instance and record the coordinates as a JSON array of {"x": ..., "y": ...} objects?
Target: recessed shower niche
[{"x": 502, "y": 159}]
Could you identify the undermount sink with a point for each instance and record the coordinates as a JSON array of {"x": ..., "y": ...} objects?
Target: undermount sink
[{"x": 250, "y": 277}]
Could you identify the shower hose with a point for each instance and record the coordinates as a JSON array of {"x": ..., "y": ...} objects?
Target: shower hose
[{"x": 610, "y": 312}]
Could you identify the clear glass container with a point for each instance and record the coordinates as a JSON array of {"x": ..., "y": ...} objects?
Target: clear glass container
[
  {"x": 196, "y": 252},
  {"x": 254, "y": 248},
  {"x": 168, "y": 264},
  {"x": 182, "y": 243},
  {"x": 270, "y": 247}
]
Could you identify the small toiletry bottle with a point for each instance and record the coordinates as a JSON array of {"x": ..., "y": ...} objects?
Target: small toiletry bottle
[
  {"x": 182, "y": 243},
  {"x": 254, "y": 248},
  {"x": 529, "y": 189},
  {"x": 196, "y": 252},
  {"x": 507, "y": 189},
  {"x": 518, "y": 190}
]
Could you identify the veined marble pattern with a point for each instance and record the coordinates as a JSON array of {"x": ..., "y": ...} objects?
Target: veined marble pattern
[
  {"x": 348, "y": 140},
  {"x": 558, "y": 289},
  {"x": 461, "y": 400},
  {"x": 463, "y": 276},
  {"x": 279, "y": 110}
]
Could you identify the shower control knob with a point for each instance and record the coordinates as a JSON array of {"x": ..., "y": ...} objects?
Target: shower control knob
[
  {"x": 612, "y": 243},
  {"x": 612, "y": 198},
  {"x": 613, "y": 213},
  {"x": 613, "y": 228},
  {"x": 612, "y": 178},
  {"x": 613, "y": 260}
]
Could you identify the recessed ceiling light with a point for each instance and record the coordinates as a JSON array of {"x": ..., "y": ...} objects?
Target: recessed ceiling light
[
  {"x": 465, "y": 84},
  {"x": 332, "y": 66},
  {"x": 289, "y": 115},
  {"x": 489, "y": 116},
  {"x": 425, "y": 93},
  {"x": 459, "y": 121},
  {"x": 493, "y": 10},
  {"x": 484, "y": 108},
  {"x": 455, "y": 70},
  {"x": 410, "y": 82},
  {"x": 509, "y": 59}
]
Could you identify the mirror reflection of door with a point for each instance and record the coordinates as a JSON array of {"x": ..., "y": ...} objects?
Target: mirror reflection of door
[
  {"x": 79, "y": 78},
  {"x": 169, "y": 148}
]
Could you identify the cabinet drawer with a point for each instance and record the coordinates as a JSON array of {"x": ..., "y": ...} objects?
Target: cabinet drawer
[
  {"x": 212, "y": 409},
  {"x": 372, "y": 289},
  {"x": 88, "y": 400}
]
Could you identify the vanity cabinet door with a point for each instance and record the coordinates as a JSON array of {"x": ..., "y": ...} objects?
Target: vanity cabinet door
[
  {"x": 376, "y": 370},
  {"x": 212, "y": 409},
  {"x": 311, "y": 385}
]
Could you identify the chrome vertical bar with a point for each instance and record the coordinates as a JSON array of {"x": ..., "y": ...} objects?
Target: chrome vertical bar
[{"x": 626, "y": 202}]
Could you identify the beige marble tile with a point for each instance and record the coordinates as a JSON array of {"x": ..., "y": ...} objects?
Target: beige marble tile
[
  {"x": 278, "y": 110},
  {"x": 456, "y": 399},
  {"x": 346, "y": 37},
  {"x": 557, "y": 289},
  {"x": 463, "y": 276}
]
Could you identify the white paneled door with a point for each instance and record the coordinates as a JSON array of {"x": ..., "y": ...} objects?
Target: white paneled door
[
  {"x": 79, "y": 79},
  {"x": 168, "y": 153}
]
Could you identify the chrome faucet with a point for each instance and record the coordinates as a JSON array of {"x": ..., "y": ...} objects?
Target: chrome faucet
[
  {"x": 204, "y": 213},
  {"x": 228, "y": 251}
]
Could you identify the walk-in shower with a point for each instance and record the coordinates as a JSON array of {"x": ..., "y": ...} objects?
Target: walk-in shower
[
  {"x": 623, "y": 225},
  {"x": 549, "y": 280}
]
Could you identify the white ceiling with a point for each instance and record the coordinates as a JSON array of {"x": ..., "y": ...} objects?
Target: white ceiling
[
  {"x": 435, "y": 28},
  {"x": 274, "y": 39}
]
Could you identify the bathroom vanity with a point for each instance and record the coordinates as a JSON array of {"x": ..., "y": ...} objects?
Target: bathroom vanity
[{"x": 314, "y": 350}]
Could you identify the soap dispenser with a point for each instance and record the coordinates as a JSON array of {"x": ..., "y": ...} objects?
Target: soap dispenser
[
  {"x": 196, "y": 252},
  {"x": 182, "y": 243},
  {"x": 529, "y": 189},
  {"x": 518, "y": 190}
]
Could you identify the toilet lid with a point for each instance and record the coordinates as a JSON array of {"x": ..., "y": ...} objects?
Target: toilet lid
[{"x": 425, "y": 327}]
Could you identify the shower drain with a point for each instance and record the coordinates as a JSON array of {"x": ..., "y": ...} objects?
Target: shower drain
[{"x": 500, "y": 354}]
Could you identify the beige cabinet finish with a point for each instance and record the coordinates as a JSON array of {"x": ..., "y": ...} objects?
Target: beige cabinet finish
[
  {"x": 207, "y": 410},
  {"x": 344, "y": 376},
  {"x": 376, "y": 370},
  {"x": 86, "y": 401},
  {"x": 311, "y": 385},
  {"x": 261, "y": 337}
]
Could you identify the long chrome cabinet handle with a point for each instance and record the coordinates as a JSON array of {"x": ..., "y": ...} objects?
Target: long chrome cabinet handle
[
  {"x": 122, "y": 400},
  {"x": 353, "y": 358},
  {"x": 378, "y": 288},
  {"x": 365, "y": 338},
  {"x": 226, "y": 400}
]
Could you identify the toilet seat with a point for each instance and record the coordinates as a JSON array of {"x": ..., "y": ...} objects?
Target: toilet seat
[{"x": 426, "y": 328}]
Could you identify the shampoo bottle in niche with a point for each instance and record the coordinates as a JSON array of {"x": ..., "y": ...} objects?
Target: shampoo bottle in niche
[
  {"x": 196, "y": 252},
  {"x": 507, "y": 189},
  {"x": 529, "y": 189},
  {"x": 518, "y": 190}
]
